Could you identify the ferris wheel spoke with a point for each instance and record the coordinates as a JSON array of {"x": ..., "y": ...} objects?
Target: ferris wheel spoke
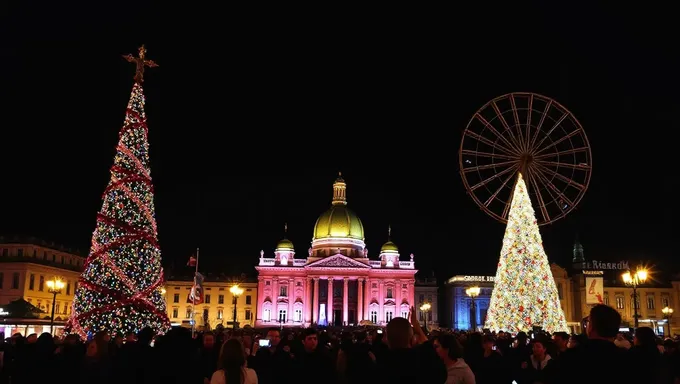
[
  {"x": 552, "y": 187},
  {"x": 506, "y": 209},
  {"x": 493, "y": 196},
  {"x": 506, "y": 126},
  {"x": 561, "y": 177},
  {"x": 583, "y": 167},
  {"x": 553, "y": 197},
  {"x": 561, "y": 153},
  {"x": 558, "y": 141},
  {"x": 493, "y": 129},
  {"x": 540, "y": 122},
  {"x": 540, "y": 202},
  {"x": 488, "y": 142},
  {"x": 528, "y": 126},
  {"x": 492, "y": 178},
  {"x": 518, "y": 126},
  {"x": 557, "y": 124},
  {"x": 490, "y": 166},
  {"x": 470, "y": 152}
]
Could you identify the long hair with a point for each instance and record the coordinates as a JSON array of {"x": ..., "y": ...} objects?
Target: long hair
[{"x": 232, "y": 360}]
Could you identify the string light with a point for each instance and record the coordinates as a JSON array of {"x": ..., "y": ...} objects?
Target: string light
[
  {"x": 524, "y": 294},
  {"x": 120, "y": 287}
]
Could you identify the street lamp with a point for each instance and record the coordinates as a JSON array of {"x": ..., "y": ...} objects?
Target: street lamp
[
  {"x": 473, "y": 292},
  {"x": 236, "y": 291},
  {"x": 54, "y": 287},
  {"x": 425, "y": 308},
  {"x": 667, "y": 314},
  {"x": 634, "y": 280}
]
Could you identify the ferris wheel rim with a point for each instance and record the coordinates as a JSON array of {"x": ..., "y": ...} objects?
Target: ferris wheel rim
[{"x": 534, "y": 179}]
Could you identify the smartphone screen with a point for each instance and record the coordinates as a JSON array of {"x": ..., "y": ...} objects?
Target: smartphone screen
[
  {"x": 493, "y": 348},
  {"x": 379, "y": 330},
  {"x": 265, "y": 343}
]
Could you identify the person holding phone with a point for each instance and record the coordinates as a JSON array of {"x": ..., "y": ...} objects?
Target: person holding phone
[
  {"x": 490, "y": 368},
  {"x": 272, "y": 359}
]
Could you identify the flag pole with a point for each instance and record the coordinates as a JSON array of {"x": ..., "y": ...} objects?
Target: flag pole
[{"x": 193, "y": 299}]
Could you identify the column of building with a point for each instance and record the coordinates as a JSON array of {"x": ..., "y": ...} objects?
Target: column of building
[
  {"x": 381, "y": 302},
  {"x": 367, "y": 298},
  {"x": 307, "y": 311},
  {"x": 274, "y": 316},
  {"x": 291, "y": 300},
  {"x": 315, "y": 304},
  {"x": 345, "y": 301},
  {"x": 397, "y": 301},
  {"x": 329, "y": 305},
  {"x": 360, "y": 299},
  {"x": 261, "y": 298}
]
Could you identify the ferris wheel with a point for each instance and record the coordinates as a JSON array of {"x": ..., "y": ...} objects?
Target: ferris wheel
[{"x": 531, "y": 134}]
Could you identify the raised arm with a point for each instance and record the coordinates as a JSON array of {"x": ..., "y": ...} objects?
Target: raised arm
[{"x": 420, "y": 336}]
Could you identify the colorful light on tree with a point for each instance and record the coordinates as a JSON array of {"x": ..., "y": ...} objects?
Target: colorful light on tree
[
  {"x": 524, "y": 293},
  {"x": 120, "y": 289}
]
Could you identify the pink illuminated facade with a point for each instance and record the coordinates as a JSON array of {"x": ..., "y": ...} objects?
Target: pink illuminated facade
[{"x": 336, "y": 284}]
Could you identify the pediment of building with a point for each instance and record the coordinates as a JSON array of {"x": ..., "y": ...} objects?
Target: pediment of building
[{"x": 337, "y": 261}]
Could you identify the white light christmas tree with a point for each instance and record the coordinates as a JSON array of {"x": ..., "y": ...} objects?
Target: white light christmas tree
[{"x": 524, "y": 294}]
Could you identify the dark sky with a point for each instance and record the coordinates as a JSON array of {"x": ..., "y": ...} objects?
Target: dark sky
[{"x": 251, "y": 116}]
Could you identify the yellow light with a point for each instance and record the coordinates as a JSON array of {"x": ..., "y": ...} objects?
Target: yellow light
[
  {"x": 667, "y": 311},
  {"x": 55, "y": 284},
  {"x": 236, "y": 290},
  {"x": 473, "y": 291},
  {"x": 425, "y": 307},
  {"x": 641, "y": 275},
  {"x": 163, "y": 291},
  {"x": 627, "y": 278}
]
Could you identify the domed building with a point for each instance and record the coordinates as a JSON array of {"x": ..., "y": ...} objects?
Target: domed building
[{"x": 337, "y": 283}]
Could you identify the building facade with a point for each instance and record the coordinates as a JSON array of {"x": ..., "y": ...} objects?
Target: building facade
[
  {"x": 337, "y": 283},
  {"x": 25, "y": 267},
  {"x": 461, "y": 312},
  {"x": 427, "y": 292},
  {"x": 589, "y": 283},
  {"x": 218, "y": 303}
]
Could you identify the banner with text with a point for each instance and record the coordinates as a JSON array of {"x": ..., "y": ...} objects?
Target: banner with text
[{"x": 594, "y": 290}]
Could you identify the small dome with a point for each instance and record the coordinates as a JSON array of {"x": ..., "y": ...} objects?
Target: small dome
[
  {"x": 285, "y": 245},
  {"x": 389, "y": 247}
]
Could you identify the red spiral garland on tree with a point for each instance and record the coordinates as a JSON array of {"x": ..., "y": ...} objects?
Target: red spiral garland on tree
[{"x": 120, "y": 287}]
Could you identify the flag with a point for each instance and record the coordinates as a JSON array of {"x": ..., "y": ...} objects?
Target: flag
[
  {"x": 192, "y": 261},
  {"x": 196, "y": 293}
]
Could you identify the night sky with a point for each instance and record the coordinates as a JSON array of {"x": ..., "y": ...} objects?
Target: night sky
[{"x": 251, "y": 118}]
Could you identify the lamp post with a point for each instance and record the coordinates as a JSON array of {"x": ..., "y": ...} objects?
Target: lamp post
[
  {"x": 236, "y": 291},
  {"x": 634, "y": 280},
  {"x": 667, "y": 314},
  {"x": 54, "y": 287},
  {"x": 473, "y": 292},
  {"x": 425, "y": 308}
]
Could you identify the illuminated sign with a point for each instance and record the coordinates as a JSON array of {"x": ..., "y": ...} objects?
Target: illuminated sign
[
  {"x": 477, "y": 279},
  {"x": 3, "y": 312},
  {"x": 621, "y": 265},
  {"x": 593, "y": 273}
]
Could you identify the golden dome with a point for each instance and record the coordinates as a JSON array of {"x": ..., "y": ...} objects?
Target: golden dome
[
  {"x": 389, "y": 247},
  {"x": 339, "y": 221},
  {"x": 285, "y": 245}
]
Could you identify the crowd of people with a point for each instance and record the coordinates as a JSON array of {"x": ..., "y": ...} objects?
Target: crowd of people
[{"x": 403, "y": 353}]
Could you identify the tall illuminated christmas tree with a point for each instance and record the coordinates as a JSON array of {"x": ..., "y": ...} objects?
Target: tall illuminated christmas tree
[
  {"x": 120, "y": 289},
  {"x": 524, "y": 293}
]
